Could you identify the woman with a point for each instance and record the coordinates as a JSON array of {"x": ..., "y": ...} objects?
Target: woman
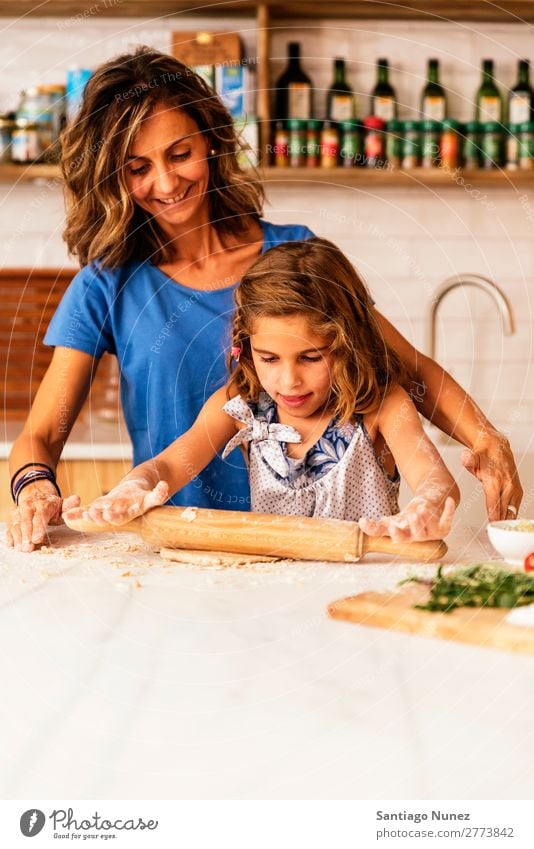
[{"x": 164, "y": 223}]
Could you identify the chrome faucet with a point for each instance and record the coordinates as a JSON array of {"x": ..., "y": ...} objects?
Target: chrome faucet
[{"x": 461, "y": 280}]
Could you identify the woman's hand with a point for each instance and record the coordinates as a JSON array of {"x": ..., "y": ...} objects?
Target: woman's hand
[
  {"x": 124, "y": 502},
  {"x": 420, "y": 520},
  {"x": 39, "y": 506},
  {"x": 492, "y": 463}
]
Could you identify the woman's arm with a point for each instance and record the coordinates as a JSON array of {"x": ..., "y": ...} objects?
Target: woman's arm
[
  {"x": 152, "y": 482},
  {"x": 56, "y": 406},
  {"x": 429, "y": 513},
  {"x": 441, "y": 400}
]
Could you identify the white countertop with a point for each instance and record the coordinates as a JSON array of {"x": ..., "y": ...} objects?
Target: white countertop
[
  {"x": 126, "y": 678},
  {"x": 91, "y": 438}
]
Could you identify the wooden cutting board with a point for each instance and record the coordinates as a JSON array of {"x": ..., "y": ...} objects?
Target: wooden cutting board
[{"x": 395, "y": 612}]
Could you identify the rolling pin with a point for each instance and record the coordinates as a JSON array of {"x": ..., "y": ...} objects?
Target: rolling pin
[{"x": 294, "y": 537}]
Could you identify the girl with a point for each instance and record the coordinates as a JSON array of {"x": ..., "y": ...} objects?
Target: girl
[{"x": 315, "y": 399}]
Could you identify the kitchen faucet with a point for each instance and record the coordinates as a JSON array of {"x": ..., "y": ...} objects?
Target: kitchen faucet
[{"x": 478, "y": 282}]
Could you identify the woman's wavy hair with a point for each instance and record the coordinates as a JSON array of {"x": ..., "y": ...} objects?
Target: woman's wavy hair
[
  {"x": 103, "y": 222},
  {"x": 315, "y": 279}
]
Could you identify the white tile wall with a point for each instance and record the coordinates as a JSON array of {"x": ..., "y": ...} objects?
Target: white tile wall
[{"x": 404, "y": 242}]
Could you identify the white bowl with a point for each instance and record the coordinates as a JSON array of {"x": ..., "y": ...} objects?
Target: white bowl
[{"x": 512, "y": 544}]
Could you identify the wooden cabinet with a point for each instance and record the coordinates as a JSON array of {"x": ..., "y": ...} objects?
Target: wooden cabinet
[{"x": 86, "y": 478}]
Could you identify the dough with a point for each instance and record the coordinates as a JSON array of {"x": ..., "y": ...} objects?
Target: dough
[{"x": 214, "y": 558}]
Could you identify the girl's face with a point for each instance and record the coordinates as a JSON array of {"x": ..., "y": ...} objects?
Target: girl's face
[
  {"x": 293, "y": 364},
  {"x": 167, "y": 171}
]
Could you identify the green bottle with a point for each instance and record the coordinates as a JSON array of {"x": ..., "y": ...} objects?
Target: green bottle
[
  {"x": 383, "y": 99},
  {"x": 293, "y": 90},
  {"x": 521, "y": 97},
  {"x": 433, "y": 98},
  {"x": 340, "y": 97},
  {"x": 489, "y": 100}
]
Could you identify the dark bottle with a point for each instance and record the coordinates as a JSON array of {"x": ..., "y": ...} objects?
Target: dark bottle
[
  {"x": 433, "y": 98},
  {"x": 340, "y": 97},
  {"x": 489, "y": 100},
  {"x": 293, "y": 99},
  {"x": 383, "y": 99},
  {"x": 521, "y": 97}
]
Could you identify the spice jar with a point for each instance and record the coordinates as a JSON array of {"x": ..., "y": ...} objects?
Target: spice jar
[
  {"x": 329, "y": 145},
  {"x": 430, "y": 144},
  {"x": 526, "y": 146},
  {"x": 7, "y": 125},
  {"x": 450, "y": 144},
  {"x": 313, "y": 143},
  {"x": 471, "y": 151},
  {"x": 25, "y": 141},
  {"x": 511, "y": 147},
  {"x": 411, "y": 144},
  {"x": 374, "y": 154},
  {"x": 281, "y": 145},
  {"x": 491, "y": 145},
  {"x": 394, "y": 143},
  {"x": 351, "y": 144},
  {"x": 297, "y": 143}
]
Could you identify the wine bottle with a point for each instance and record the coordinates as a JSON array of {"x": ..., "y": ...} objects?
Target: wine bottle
[
  {"x": 521, "y": 97},
  {"x": 383, "y": 99},
  {"x": 340, "y": 97},
  {"x": 489, "y": 100},
  {"x": 433, "y": 98},
  {"x": 293, "y": 97}
]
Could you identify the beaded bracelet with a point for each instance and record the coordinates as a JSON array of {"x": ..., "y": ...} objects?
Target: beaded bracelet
[
  {"x": 32, "y": 477},
  {"x": 27, "y": 466}
]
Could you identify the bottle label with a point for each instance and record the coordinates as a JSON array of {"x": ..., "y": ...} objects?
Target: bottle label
[
  {"x": 299, "y": 101},
  {"x": 384, "y": 108},
  {"x": 490, "y": 109},
  {"x": 519, "y": 108},
  {"x": 342, "y": 107},
  {"x": 434, "y": 108}
]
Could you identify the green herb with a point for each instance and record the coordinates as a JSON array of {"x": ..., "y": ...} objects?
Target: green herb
[{"x": 481, "y": 585}]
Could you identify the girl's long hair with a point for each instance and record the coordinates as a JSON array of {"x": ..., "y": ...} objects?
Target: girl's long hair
[
  {"x": 315, "y": 279},
  {"x": 103, "y": 222}
]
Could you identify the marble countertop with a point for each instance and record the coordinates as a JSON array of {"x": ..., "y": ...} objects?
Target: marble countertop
[
  {"x": 91, "y": 438},
  {"x": 124, "y": 676}
]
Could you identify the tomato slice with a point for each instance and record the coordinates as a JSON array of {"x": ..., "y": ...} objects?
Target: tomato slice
[{"x": 529, "y": 562}]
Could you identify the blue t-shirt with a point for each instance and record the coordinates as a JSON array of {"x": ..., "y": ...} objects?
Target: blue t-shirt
[{"x": 171, "y": 342}]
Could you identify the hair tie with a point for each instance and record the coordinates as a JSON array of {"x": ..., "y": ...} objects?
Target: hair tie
[{"x": 236, "y": 352}]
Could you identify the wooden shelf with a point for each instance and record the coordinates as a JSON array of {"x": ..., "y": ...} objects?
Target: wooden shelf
[
  {"x": 11, "y": 173},
  {"x": 435, "y": 10},
  {"x": 414, "y": 178},
  {"x": 351, "y": 177}
]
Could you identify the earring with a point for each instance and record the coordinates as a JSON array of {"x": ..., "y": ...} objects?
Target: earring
[{"x": 213, "y": 151}]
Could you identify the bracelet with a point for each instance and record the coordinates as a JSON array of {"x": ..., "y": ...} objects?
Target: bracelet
[
  {"x": 27, "y": 466},
  {"x": 32, "y": 477}
]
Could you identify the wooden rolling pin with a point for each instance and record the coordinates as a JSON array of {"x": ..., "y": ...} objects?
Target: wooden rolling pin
[{"x": 294, "y": 537}]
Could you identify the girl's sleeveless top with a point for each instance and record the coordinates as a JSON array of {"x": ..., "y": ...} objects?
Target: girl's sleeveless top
[{"x": 339, "y": 478}]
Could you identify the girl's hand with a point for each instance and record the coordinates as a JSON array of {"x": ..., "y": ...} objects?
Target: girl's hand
[
  {"x": 420, "y": 520},
  {"x": 39, "y": 506},
  {"x": 124, "y": 502}
]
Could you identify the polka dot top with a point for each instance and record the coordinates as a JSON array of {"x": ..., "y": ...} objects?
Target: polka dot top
[{"x": 339, "y": 478}]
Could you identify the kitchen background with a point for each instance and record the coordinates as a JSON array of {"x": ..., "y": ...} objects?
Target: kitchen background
[{"x": 405, "y": 239}]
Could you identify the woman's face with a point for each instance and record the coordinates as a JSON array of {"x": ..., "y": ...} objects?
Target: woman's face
[{"x": 167, "y": 172}]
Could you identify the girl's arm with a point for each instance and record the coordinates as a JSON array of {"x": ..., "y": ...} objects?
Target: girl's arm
[
  {"x": 57, "y": 403},
  {"x": 435, "y": 495},
  {"x": 441, "y": 400},
  {"x": 153, "y": 482}
]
